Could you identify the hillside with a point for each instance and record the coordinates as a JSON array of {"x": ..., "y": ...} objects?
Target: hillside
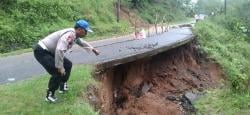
[
  {"x": 225, "y": 38},
  {"x": 24, "y": 22}
]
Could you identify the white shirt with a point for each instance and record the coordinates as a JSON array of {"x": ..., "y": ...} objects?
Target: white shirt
[{"x": 60, "y": 42}]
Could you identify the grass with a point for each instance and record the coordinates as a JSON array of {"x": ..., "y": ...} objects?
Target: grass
[
  {"x": 24, "y": 22},
  {"x": 92, "y": 37},
  {"x": 27, "y": 97},
  {"x": 223, "y": 102},
  {"x": 229, "y": 48},
  {"x": 17, "y": 52}
]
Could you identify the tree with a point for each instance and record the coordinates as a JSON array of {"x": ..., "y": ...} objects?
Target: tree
[
  {"x": 243, "y": 12},
  {"x": 208, "y": 6},
  {"x": 135, "y": 3}
]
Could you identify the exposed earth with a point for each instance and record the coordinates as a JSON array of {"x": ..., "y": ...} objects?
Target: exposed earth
[{"x": 157, "y": 85}]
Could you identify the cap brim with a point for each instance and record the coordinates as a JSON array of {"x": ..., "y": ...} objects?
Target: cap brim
[{"x": 89, "y": 30}]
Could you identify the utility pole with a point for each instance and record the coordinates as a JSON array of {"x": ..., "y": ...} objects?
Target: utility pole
[
  {"x": 225, "y": 7},
  {"x": 118, "y": 7}
]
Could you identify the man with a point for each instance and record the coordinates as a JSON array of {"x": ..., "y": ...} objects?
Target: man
[{"x": 49, "y": 52}]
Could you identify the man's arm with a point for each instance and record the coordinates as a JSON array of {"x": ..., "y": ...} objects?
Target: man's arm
[
  {"x": 59, "y": 55},
  {"x": 61, "y": 48},
  {"x": 87, "y": 46}
]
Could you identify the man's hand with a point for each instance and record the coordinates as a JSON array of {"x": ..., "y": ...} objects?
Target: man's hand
[
  {"x": 96, "y": 51},
  {"x": 61, "y": 71}
]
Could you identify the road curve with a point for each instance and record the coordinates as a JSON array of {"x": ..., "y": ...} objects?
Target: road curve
[{"x": 113, "y": 52}]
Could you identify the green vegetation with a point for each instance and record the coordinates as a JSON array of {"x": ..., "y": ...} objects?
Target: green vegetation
[
  {"x": 155, "y": 11},
  {"x": 226, "y": 40},
  {"x": 223, "y": 102},
  {"x": 16, "y": 52},
  {"x": 28, "y": 97},
  {"x": 229, "y": 48},
  {"x": 208, "y": 6},
  {"x": 24, "y": 22}
]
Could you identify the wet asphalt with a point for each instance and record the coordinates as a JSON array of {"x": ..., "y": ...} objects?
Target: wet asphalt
[{"x": 113, "y": 52}]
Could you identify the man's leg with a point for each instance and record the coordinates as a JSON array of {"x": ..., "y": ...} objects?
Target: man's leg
[
  {"x": 53, "y": 85},
  {"x": 47, "y": 60},
  {"x": 67, "y": 65}
]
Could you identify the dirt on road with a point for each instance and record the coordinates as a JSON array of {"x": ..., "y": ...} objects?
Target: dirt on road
[{"x": 155, "y": 85}]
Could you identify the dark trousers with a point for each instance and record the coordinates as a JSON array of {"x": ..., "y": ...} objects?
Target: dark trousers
[{"x": 47, "y": 60}]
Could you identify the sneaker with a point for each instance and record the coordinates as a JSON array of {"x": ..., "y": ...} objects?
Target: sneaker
[
  {"x": 61, "y": 91},
  {"x": 50, "y": 97},
  {"x": 63, "y": 87}
]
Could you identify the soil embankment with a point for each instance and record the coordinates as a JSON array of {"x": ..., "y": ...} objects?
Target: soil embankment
[{"x": 155, "y": 85}]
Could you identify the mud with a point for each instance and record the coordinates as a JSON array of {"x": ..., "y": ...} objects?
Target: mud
[{"x": 155, "y": 85}]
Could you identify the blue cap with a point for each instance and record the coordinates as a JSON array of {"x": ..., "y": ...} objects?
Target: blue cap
[{"x": 83, "y": 24}]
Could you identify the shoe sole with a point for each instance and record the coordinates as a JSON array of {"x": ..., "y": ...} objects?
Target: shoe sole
[
  {"x": 47, "y": 100},
  {"x": 61, "y": 92}
]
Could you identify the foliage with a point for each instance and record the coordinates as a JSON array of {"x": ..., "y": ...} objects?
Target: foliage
[
  {"x": 163, "y": 10},
  {"x": 223, "y": 102},
  {"x": 7, "y": 4},
  {"x": 24, "y": 22},
  {"x": 208, "y": 6},
  {"x": 226, "y": 43},
  {"x": 226, "y": 39},
  {"x": 27, "y": 97},
  {"x": 241, "y": 10}
]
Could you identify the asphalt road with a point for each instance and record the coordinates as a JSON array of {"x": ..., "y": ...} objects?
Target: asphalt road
[{"x": 113, "y": 52}]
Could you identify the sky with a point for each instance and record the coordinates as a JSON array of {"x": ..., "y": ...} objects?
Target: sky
[{"x": 194, "y": 1}]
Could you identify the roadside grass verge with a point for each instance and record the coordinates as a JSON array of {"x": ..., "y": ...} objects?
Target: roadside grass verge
[
  {"x": 223, "y": 102},
  {"x": 229, "y": 48},
  {"x": 28, "y": 97},
  {"x": 17, "y": 52}
]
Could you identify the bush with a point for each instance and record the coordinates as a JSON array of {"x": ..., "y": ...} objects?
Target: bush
[
  {"x": 227, "y": 44},
  {"x": 24, "y": 22},
  {"x": 172, "y": 10}
]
